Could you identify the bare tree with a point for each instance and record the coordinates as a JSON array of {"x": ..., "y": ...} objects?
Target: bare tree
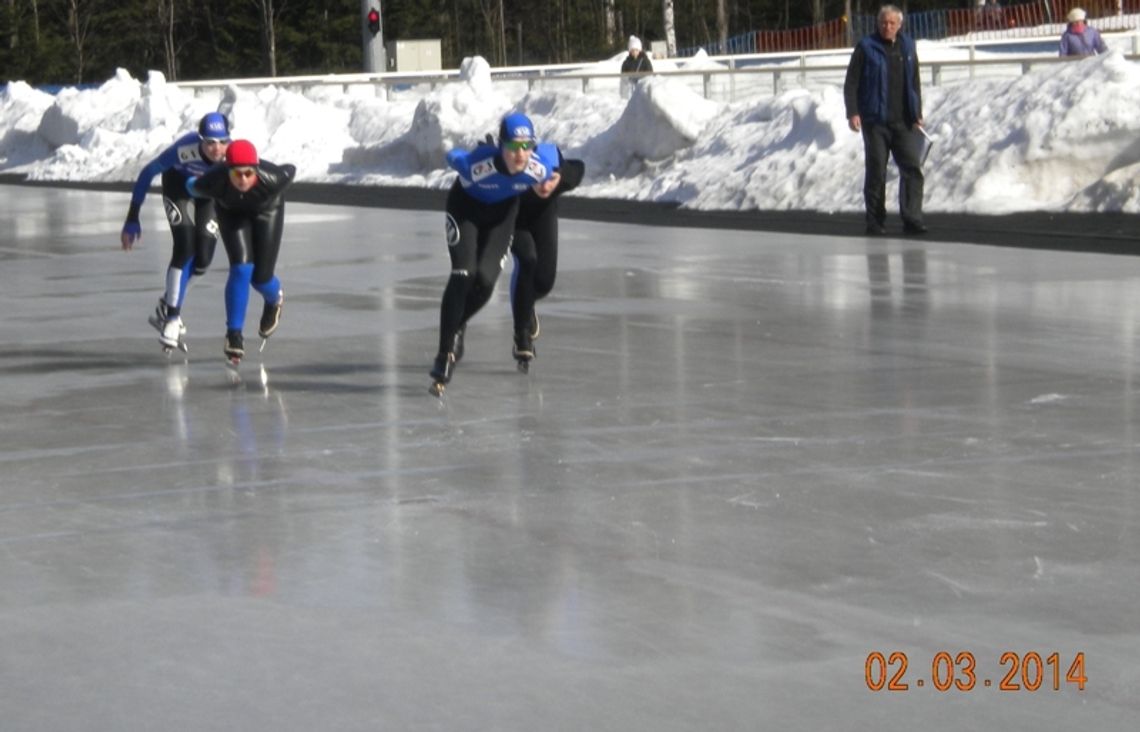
[
  {"x": 13, "y": 36},
  {"x": 79, "y": 15},
  {"x": 269, "y": 13},
  {"x": 817, "y": 15},
  {"x": 492, "y": 11},
  {"x": 670, "y": 28},
  {"x": 165, "y": 13},
  {"x": 609, "y": 22},
  {"x": 722, "y": 24}
]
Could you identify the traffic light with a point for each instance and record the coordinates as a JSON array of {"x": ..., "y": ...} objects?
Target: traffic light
[{"x": 374, "y": 21}]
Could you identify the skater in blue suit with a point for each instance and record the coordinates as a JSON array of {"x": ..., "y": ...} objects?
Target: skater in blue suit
[
  {"x": 250, "y": 196},
  {"x": 481, "y": 210},
  {"x": 195, "y": 237},
  {"x": 535, "y": 249}
]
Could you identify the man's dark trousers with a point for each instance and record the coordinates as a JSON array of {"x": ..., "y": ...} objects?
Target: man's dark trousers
[{"x": 905, "y": 145}]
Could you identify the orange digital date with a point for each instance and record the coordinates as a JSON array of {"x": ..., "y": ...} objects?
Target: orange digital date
[{"x": 959, "y": 672}]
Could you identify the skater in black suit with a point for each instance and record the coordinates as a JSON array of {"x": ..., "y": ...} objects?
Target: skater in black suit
[
  {"x": 535, "y": 249},
  {"x": 249, "y": 193}
]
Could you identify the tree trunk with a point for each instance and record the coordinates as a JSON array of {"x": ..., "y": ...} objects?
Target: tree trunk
[
  {"x": 13, "y": 36},
  {"x": 169, "y": 49},
  {"x": 78, "y": 27},
  {"x": 269, "y": 14},
  {"x": 722, "y": 24},
  {"x": 670, "y": 28},
  {"x": 609, "y": 23},
  {"x": 848, "y": 30},
  {"x": 490, "y": 11}
]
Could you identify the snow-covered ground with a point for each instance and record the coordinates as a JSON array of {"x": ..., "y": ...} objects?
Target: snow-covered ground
[{"x": 1064, "y": 137}]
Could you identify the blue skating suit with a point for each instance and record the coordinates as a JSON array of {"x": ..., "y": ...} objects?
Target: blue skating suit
[
  {"x": 194, "y": 236},
  {"x": 184, "y": 156},
  {"x": 482, "y": 179}
]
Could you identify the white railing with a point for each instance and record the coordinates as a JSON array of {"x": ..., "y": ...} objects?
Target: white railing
[{"x": 742, "y": 76}]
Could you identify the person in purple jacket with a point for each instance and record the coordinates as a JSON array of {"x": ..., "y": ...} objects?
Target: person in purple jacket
[
  {"x": 195, "y": 236},
  {"x": 481, "y": 209},
  {"x": 1080, "y": 39}
]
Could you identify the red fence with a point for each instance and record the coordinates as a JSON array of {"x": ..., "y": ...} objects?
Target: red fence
[
  {"x": 1030, "y": 15},
  {"x": 832, "y": 34}
]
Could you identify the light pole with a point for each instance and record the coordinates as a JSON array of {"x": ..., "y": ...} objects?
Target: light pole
[{"x": 372, "y": 35}]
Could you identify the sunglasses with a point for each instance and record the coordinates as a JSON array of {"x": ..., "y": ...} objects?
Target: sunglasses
[
  {"x": 516, "y": 145},
  {"x": 239, "y": 173},
  {"x": 216, "y": 140}
]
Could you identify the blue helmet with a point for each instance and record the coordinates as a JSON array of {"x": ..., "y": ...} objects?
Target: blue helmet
[
  {"x": 214, "y": 127},
  {"x": 516, "y": 126}
]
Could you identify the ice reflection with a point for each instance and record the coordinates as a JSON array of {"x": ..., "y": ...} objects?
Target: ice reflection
[
  {"x": 885, "y": 301},
  {"x": 260, "y": 424}
]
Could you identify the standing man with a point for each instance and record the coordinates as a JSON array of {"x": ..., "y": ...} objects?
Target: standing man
[
  {"x": 883, "y": 97},
  {"x": 1080, "y": 39}
]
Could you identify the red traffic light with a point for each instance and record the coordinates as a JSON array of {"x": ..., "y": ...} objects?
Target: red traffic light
[{"x": 374, "y": 21}]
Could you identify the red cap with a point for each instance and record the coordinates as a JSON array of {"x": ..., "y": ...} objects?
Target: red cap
[{"x": 241, "y": 153}]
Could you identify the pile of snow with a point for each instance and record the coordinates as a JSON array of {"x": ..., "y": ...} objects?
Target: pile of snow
[{"x": 1065, "y": 137}]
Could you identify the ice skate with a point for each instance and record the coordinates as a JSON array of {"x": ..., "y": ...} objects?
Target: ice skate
[
  {"x": 173, "y": 335},
  {"x": 441, "y": 372},
  {"x": 457, "y": 346},
  {"x": 524, "y": 349},
  {"x": 535, "y": 328},
  {"x": 234, "y": 347},
  {"x": 158, "y": 318},
  {"x": 271, "y": 316}
]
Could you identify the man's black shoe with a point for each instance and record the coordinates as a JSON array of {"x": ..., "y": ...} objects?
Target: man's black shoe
[
  {"x": 876, "y": 230},
  {"x": 914, "y": 229}
]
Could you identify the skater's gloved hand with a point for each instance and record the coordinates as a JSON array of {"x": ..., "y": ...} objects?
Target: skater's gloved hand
[
  {"x": 489, "y": 139},
  {"x": 132, "y": 232}
]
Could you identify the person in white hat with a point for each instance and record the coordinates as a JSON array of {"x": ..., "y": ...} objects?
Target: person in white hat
[
  {"x": 1079, "y": 38},
  {"x": 637, "y": 62}
]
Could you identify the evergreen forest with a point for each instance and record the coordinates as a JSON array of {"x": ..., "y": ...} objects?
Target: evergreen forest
[{"x": 61, "y": 42}]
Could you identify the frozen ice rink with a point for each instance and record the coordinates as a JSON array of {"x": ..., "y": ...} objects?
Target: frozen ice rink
[{"x": 742, "y": 464}]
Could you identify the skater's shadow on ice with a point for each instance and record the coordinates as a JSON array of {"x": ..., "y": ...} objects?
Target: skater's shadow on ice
[
  {"x": 46, "y": 360},
  {"x": 342, "y": 378}
]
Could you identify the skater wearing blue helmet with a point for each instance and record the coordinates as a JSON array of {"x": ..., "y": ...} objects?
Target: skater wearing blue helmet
[
  {"x": 195, "y": 236},
  {"x": 481, "y": 210}
]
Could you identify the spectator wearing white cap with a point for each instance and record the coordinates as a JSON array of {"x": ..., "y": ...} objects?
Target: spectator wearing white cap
[
  {"x": 1080, "y": 39},
  {"x": 637, "y": 62}
]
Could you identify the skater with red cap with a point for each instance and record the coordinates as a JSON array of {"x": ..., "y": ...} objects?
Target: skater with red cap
[{"x": 249, "y": 193}]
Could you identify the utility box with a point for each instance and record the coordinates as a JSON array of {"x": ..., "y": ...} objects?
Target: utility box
[
  {"x": 659, "y": 49},
  {"x": 423, "y": 55}
]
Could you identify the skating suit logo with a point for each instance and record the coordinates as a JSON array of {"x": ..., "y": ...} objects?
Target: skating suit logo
[
  {"x": 482, "y": 169},
  {"x": 535, "y": 169},
  {"x": 173, "y": 213},
  {"x": 452, "y": 229}
]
